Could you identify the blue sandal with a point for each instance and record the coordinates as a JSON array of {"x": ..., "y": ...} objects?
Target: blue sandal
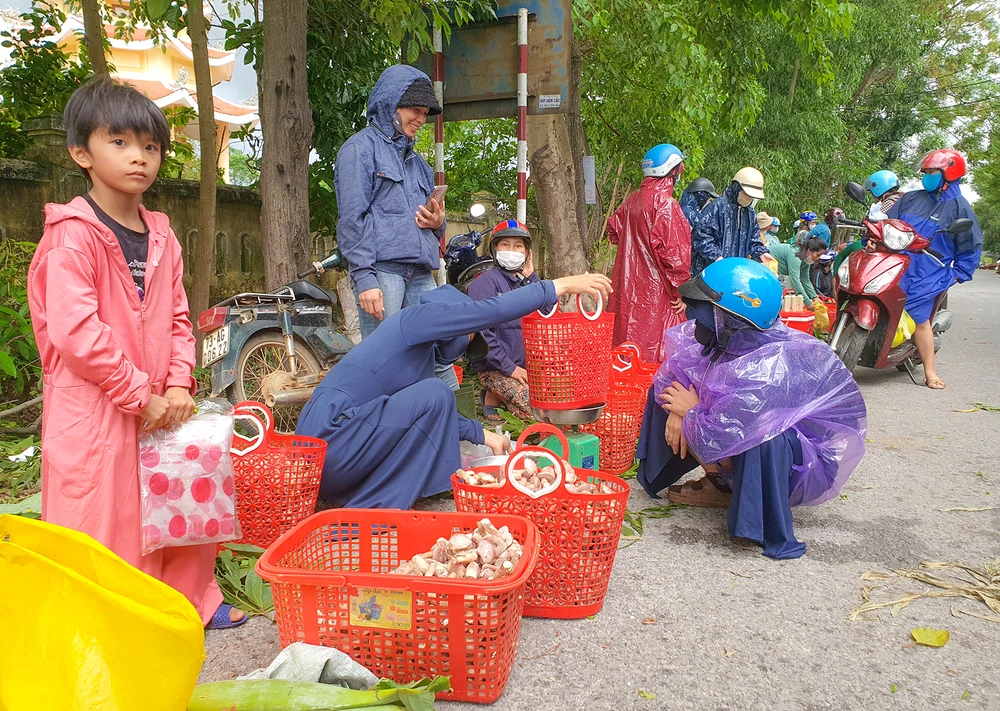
[{"x": 221, "y": 621}]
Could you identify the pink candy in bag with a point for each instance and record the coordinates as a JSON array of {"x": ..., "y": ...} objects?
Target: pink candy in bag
[{"x": 186, "y": 484}]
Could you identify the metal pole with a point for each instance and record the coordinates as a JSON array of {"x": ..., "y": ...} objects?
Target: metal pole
[
  {"x": 439, "y": 119},
  {"x": 522, "y": 115}
]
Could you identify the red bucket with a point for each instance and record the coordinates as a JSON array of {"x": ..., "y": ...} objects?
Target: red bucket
[{"x": 568, "y": 357}]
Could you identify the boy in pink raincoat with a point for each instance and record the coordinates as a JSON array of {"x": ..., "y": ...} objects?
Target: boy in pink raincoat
[{"x": 111, "y": 321}]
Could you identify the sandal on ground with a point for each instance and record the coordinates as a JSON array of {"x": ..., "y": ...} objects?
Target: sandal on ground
[
  {"x": 221, "y": 620},
  {"x": 935, "y": 384},
  {"x": 701, "y": 493}
]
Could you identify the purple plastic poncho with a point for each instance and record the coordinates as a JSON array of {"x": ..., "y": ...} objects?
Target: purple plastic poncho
[{"x": 768, "y": 382}]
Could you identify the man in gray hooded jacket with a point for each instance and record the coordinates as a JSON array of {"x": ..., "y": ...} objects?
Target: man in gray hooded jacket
[{"x": 389, "y": 230}]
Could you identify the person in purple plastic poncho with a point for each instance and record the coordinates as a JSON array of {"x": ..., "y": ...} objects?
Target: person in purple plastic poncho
[{"x": 771, "y": 414}]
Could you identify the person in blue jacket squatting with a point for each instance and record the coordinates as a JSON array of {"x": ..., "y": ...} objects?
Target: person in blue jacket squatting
[
  {"x": 771, "y": 414},
  {"x": 393, "y": 427},
  {"x": 929, "y": 212}
]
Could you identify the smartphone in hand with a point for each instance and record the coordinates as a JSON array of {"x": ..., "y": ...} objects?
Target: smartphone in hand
[{"x": 438, "y": 194}]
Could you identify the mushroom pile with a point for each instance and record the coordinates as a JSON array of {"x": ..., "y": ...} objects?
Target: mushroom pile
[
  {"x": 535, "y": 478},
  {"x": 484, "y": 554}
]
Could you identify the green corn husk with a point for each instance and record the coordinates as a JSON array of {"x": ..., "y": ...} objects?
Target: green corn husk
[{"x": 279, "y": 695}]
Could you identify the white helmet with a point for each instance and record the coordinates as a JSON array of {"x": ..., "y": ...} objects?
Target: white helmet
[{"x": 751, "y": 181}]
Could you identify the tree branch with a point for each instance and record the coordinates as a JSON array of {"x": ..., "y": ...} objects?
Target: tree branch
[
  {"x": 20, "y": 408},
  {"x": 795, "y": 79}
]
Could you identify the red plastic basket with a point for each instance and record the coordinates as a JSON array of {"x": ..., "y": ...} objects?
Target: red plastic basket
[
  {"x": 619, "y": 424},
  {"x": 277, "y": 476},
  {"x": 831, "y": 309},
  {"x": 578, "y": 533},
  {"x": 799, "y": 320},
  {"x": 568, "y": 357},
  {"x": 331, "y": 586}
]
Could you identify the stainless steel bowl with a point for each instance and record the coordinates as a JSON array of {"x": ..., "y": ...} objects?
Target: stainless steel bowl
[
  {"x": 494, "y": 461},
  {"x": 569, "y": 417}
]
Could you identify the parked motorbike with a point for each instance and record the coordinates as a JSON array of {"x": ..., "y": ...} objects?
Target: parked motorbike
[
  {"x": 462, "y": 260},
  {"x": 274, "y": 347},
  {"x": 870, "y": 300}
]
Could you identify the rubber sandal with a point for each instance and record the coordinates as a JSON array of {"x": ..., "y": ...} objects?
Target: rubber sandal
[
  {"x": 701, "y": 493},
  {"x": 220, "y": 620},
  {"x": 935, "y": 384}
]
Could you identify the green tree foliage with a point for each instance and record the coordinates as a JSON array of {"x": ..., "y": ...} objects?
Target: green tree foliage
[{"x": 39, "y": 77}]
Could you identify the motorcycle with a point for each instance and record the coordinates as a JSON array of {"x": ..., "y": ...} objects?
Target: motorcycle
[
  {"x": 462, "y": 260},
  {"x": 870, "y": 299},
  {"x": 274, "y": 347}
]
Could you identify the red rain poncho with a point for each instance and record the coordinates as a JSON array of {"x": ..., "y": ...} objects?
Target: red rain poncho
[{"x": 654, "y": 258}]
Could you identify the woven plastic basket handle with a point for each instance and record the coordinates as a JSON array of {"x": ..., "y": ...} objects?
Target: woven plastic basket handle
[
  {"x": 263, "y": 420},
  {"x": 543, "y": 428},
  {"x": 523, "y": 453},
  {"x": 579, "y": 309}
]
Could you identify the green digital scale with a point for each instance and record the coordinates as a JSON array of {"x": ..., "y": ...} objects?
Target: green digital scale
[{"x": 584, "y": 448}]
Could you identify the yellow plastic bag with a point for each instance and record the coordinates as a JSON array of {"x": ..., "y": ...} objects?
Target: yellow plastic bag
[
  {"x": 83, "y": 629},
  {"x": 821, "y": 325},
  {"x": 905, "y": 329}
]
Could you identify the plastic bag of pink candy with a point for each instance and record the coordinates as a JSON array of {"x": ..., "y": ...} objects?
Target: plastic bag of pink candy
[{"x": 186, "y": 484}]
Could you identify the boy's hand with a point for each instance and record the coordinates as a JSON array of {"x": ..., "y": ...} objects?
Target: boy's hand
[
  {"x": 180, "y": 405},
  {"x": 156, "y": 413},
  {"x": 679, "y": 399},
  {"x": 597, "y": 285}
]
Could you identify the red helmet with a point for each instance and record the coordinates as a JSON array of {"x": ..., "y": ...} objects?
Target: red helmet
[
  {"x": 947, "y": 160},
  {"x": 509, "y": 228},
  {"x": 832, "y": 215}
]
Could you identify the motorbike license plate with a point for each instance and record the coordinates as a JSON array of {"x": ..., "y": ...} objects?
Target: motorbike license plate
[{"x": 215, "y": 346}]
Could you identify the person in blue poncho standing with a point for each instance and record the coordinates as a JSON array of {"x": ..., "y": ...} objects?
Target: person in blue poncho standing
[
  {"x": 772, "y": 415},
  {"x": 728, "y": 227},
  {"x": 388, "y": 228},
  {"x": 392, "y": 427},
  {"x": 695, "y": 198},
  {"x": 929, "y": 212}
]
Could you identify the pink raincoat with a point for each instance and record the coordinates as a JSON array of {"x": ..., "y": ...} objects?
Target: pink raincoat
[
  {"x": 653, "y": 260},
  {"x": 103, "y": 353}
]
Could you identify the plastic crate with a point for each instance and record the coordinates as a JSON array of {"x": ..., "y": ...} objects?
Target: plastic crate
[
  {"x": 799, "y": 320},
  {"x": 332, "y": 571},
  {"x": 578, "y": 533},
  {"x": 277, "y": 477}
]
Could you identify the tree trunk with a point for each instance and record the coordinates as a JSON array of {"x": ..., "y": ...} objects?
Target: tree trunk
[
  {"x": 204, "y": 250},
  {"x": 578, "y": 141},
  {"x": 795, "y": 80},
  {"x": 554, "y": 177},
  {"x": 93, "y": 36},
  {"x": 286, "y": 121}
]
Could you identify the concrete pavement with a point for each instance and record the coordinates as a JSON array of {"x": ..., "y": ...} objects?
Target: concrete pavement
[{"x": 735, "y": 630}]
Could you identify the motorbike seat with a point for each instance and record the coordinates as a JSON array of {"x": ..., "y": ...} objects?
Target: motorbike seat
[{"x": 308, "y": 290}]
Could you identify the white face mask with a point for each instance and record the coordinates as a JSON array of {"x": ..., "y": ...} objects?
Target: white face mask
[{"x": 511, "y": 261}]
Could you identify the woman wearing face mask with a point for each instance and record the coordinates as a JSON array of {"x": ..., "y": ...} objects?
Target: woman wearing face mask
[
  {"x": 930, "y": 211},
  {"x": 735, "y": 398},
  {"x": 501, "y": 372},
  {"x": 794, "y": 263},
  {"x": 728, "y": 227}
]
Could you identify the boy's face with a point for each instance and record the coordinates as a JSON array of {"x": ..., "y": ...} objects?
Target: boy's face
[{"x": 123, "y": 162}]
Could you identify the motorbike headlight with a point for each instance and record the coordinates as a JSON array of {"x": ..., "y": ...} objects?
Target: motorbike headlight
[
  {"x": 882, "y": 280},
  {"x": 844, "y": 274},
  {"x": 895, "y": 238}
]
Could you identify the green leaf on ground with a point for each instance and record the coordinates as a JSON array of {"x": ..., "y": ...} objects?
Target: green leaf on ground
[
  {"x": 647, "y": 694},
  {"x": 31, "y": 507},
  {"x": 966, "y": 695},
  {"x": 893, "y": 688},
  {"x": 930, "y": 637}
]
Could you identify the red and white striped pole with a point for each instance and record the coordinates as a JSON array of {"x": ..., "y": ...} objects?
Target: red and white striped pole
[
  {"x": 439, "y": 119},
  {"x": 522, "y": 115}
]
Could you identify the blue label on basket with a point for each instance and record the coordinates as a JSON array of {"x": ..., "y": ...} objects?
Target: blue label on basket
[
  {"x": 587, "y": 462},
  {"x": 385, "y": 609}
]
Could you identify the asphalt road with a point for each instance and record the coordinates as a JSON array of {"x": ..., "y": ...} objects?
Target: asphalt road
[{"x": 735, "y": 630}]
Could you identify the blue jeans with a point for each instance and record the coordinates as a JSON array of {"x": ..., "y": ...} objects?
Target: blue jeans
[{"x": 398, "y": 292}]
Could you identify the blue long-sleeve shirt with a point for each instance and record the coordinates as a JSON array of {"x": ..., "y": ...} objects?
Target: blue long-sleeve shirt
[
  {"x": 380, "y": 182},
  {"x": 506, "y": 340},
  {"x": 725, "y": 229},
  {"x": 400, "y": 352}
]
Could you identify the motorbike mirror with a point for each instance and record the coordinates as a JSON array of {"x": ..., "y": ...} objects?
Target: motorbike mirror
[
  {"x": 477, "y": 210},
  {"x": 855, "y": 192},
  {"x": 962, "y": 224}
]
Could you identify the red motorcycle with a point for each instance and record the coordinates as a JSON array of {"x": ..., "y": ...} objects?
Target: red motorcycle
[{"x": 870, "y": 300}]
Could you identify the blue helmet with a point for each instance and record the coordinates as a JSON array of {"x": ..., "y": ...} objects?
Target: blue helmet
[
  {"x": 775, "y": 222},
  {"x": 660, "y": 160},
  {"x": 809, "y": 216},
  {"x": 742, "y": 287},
  {"x": 882, "y": 182}
]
